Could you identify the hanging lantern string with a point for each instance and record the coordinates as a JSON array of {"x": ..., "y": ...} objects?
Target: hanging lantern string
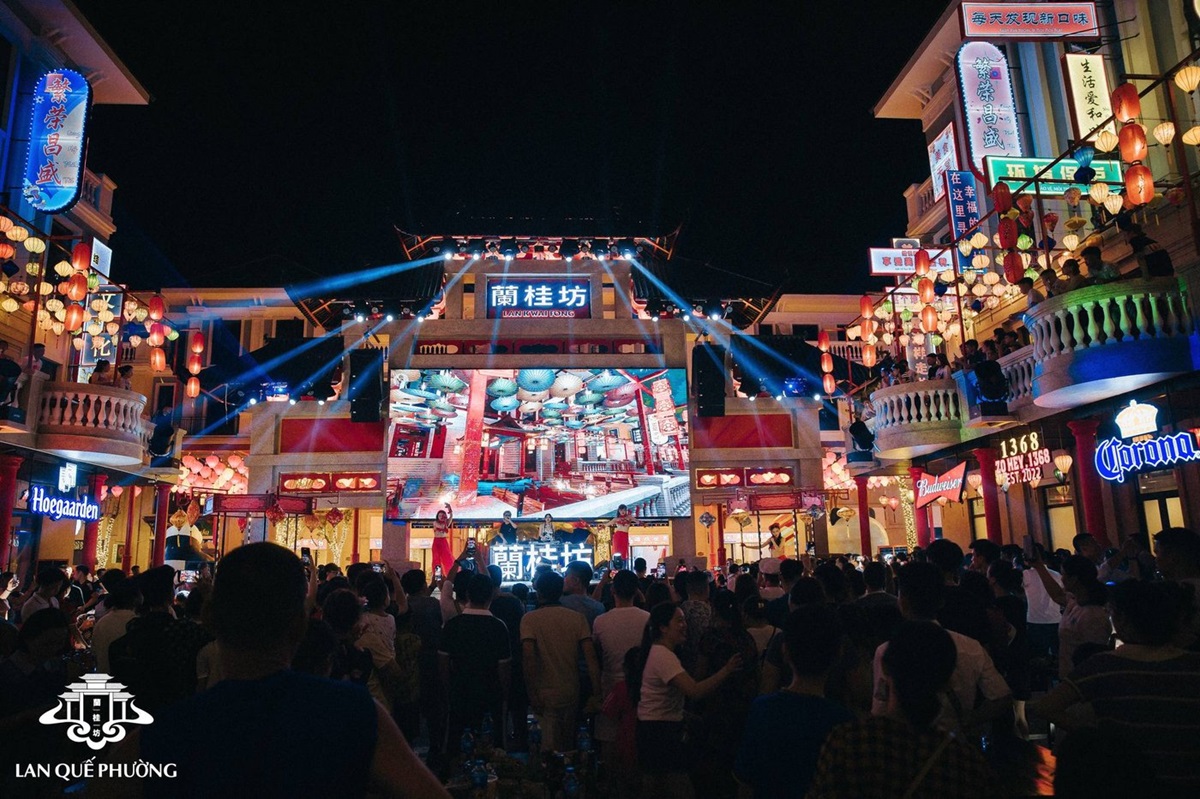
[{"x": 1046, "y": 171}]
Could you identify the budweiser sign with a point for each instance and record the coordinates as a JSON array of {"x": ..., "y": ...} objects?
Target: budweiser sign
[{"x": 948, "y": 485}]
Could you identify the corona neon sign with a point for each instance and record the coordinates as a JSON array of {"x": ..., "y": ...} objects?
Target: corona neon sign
[{"x": 1116, "y": 457}]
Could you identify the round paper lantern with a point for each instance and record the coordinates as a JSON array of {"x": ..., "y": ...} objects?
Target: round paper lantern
[
  {"x": 1164, "y": 133},
  {"x": 1007, "y": 234},
  {"x": 823, "y": 341},
  {"x": 925, "y": 290},
  {"x": 1002, "y": 198},
  {"x": 7, "y": 250},
  {"x": 35, "y": 245},
  {"x": 1139, "y": 185},
  {"x": 77, "y": 287},
  {"x": 193, "y": 387},
  {"x": 929, "y": 318},
  {"x": 194, "y": 364},
  {"x": 1188, "y": 78},
  {"x": 1106, "y": 140},
  {"x": 1014, "y": 267},
  {"x": 81, "y": 256},
  {"x": 1126, "y": 104},
  {"x": 893, "y": 502},
  {"x": 155, "y": 307},
  {"x": 197, "y": 342},
  {"x": 158, "y": 359},
  {"x": 74, "y": 317},
  {"x": 829, "y": 384},
  {"x": 1098, "y": 191},
  {"x": 157, "y": 335},
  {"x": 1114, "y": 203},
  {"x": 866, "y": 307},
  {"x": 17, "y": 234},
  {"x": 1132, "y": 141},
  {"x": 868, "y": 355},
  {"x": 826, "y": 362},
  {"x": 922, "y": 263}
]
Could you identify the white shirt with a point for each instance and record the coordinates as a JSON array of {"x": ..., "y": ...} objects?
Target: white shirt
[
  {"x": 661, "y": 701},
  {"x": 107, "y": 630},
  {"x": 616, "y": 632},
  {"x": 36, "y": 603},
  {"x": 1042, "y": 609},
  {"x": 769, "y": 592}
]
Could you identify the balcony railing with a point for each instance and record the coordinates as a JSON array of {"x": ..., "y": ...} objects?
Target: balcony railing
[
  {"x": 915, "y": 418},
  {"x": 1102, "y": 340},
  {"x": 1019, "y": 368},
  {"x": 922, "y": 208},
  {"x": 100, "y": 424}
]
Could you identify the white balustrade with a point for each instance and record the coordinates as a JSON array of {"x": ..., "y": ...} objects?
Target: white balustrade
[
  {"x": 923, "y": 402},
  {"x": 101, "y": 411},
  {"x": 1019, "y": 367}
]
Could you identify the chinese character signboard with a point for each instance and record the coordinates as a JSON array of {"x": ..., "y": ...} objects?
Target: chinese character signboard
[
  {"x": 1087, "y": 93},
  {"x": 988, "y": 107},
  {"x": 1017, "y": 171},
  {"x": 538, "y": 298},
  {"x": 98, "y": 345},
  {"x": 1029, "y": 21},
  {"x": 518, "y": 562},
  {"x": 58, "y": 129},
  {"x": 963, "y": 202},
  {"x": 943, "y": 155},
  {"x": 893, "y": 261}
]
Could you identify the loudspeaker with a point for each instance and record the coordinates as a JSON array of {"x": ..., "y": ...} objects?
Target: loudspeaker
[
  {"x": 365, "y": 388},
  {"x": 708, "y": 375}
]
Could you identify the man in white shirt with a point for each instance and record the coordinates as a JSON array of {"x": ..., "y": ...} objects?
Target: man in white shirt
[
  {"x": 615, "y": 633},
  {"x": 922, "y": 590},
  {"x": 50, "y": 581},
  {"x": 1042, "y": 615}
]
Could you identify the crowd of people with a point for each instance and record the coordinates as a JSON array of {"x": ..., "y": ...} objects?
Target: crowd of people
[{"x": 919, "y": 676}]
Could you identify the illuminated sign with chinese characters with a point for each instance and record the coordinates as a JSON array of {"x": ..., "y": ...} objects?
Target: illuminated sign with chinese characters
[
  {"x": 1117, "y": 457},
  {"x": 987, "y": 103},
  {"x": 1029, "y": 21},
  {"x": 1088, "y": 93},
  {"x": 518, "y": 562},
  {"x": 893, "y": 261},
  {"x": 538, "y": 298},
  {"x": 57, "y": 132},
  {"x": 1017, "y": 171},
  {"x": 943, "y": 155},
  {"x": 963, "y": 202}
]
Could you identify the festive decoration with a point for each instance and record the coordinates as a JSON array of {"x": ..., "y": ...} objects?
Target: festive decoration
[
  {"x": 1139, "y": 185},
  {"x": 1132, "y": 141},
  {"x": 158, "y": 360},
  {"x": 1126, "y": 104}
]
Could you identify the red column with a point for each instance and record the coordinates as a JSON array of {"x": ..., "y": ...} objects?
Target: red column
[
  {"x": 162, "y": 504},
  {"x": 1084, "y": 431},
  {"x": 920, "y": 515},
  {"x": 9, "y": 465},
  {"x": 133, "y": 492},
  {"x": 991, "y": 497},
  {"x": 91, "y": 530},
  {"x": 354, "y": 539},
  {"x": 864, "y": 516}
]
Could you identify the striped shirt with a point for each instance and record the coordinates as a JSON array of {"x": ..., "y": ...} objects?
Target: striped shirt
[{"x": 1154, "y": 702}]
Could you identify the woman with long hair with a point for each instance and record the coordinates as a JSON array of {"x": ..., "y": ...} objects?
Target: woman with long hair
[{"x": 658, "y": 686}]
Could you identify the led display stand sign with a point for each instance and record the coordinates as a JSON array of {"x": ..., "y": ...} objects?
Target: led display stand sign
[
  {"x": 1140, "y": 448},
  {"x": 56, "y": 507}
]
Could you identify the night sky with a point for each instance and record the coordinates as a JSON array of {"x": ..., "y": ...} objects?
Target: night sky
[{"x": 285, "y": 140}]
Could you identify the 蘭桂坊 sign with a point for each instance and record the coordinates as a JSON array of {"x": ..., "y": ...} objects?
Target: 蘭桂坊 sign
[
  {"x": 57, "y": 133},
  {"x": 538, "y": 298}
]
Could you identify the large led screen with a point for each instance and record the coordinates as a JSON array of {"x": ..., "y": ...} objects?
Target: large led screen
[{"x": 573, "y": 443}]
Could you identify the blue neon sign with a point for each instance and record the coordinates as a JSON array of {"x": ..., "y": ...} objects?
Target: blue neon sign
[
  {"x": 57, "y": 138},
  {"x": 538, "y": 298}
]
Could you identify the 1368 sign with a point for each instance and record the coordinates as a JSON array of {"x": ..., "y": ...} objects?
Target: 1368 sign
[{"x": 1022, "y": 457}]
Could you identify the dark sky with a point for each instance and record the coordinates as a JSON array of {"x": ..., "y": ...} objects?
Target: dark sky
[{"x": 284, "y": 140}]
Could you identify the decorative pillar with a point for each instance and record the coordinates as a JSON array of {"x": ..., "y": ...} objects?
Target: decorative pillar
[
  {"x": 920, "y": 515},
  {"x": 991, "y": 497},
  {"x": 162, "y": 504},
  {"x": 354, "y": 538},
  {"x": 864, "y": 517},
  {"x": 134, "y": 493},
  {"x": 91, "y": 530},
  {"x": 9, "y": 465},
  {"x": 1084, "y": 431}
]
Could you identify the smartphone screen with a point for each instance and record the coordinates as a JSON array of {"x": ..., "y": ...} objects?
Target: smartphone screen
[
  {"x": 662, "y": 570},
  {"x": 306, "y": 555},
  {"x": 437, "y": 573},
  {"x": 376, "y": 567}
]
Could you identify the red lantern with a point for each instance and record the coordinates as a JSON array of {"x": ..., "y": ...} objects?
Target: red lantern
[
  {"x": 74, "y": 317},
  {"x": 929, "y": 318},
  {"x": 868, "y": 328},
  {"x": 826, "y": 362},
  {"x": 868, "y": 355},
  {"x": 193, "y": 387},
  {"x": 197, "y": 342},
  {"x": 925, "y": 290},
  {"x": 1126, "y": 104},
  {"x": 194, "y": 364},
  {"x": 157, "y": 335},
  {"x": 1014, "y": 267},
  {"x": 866, "y": 307},
  {"x": 829, "y": 384},
  {"x": 7, "y": 250},
  {"x": 1007, "y": 233},
  {"x": 81, "y": 257},
  {"x": 155, "y": 307},
  {"x": 158, "y": 359},
  {"x": 1132, "y": 140},
  {"x": 922, "y": 263},
  {"x": 1002, "y": 198},
  {"x": 1139, "y": 185},
  {"x": 77, "y": 287},
  {"x": 823, "y": 341}
]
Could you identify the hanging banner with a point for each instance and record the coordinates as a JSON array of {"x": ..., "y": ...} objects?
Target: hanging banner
[
  {"x": 963, "y": 203},
  {"x": 57, "y": 134},
  {"x": 1088, "y": 94},
  {"x": 985, "y": 87},
  {"x": 1030, "y": 21},
  {"x": 943, "y": 155}
]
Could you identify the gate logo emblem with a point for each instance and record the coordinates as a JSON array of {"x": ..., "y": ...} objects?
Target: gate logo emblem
[{"x": 96, "y": 711}]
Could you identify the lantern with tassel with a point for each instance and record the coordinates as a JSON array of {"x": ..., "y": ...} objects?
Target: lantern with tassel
[
  {"x": 1014, "y": 267},
  {"x": 866, "y": 307},
  {"x": 74, "y": 317},
  {"x": 194, "y": 364},
  {"x": 868, "y": 355},
  {"x": 1007, "y": 234},
  {"x": 929, "y": 318},
  {"x": 1126, "y": 104},
  {"x": 193, "y": 387},
  {"x": 1139, "y": 185},
  {"x": 157, "y": 335},
  {"x": 81, "y": 257}
]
